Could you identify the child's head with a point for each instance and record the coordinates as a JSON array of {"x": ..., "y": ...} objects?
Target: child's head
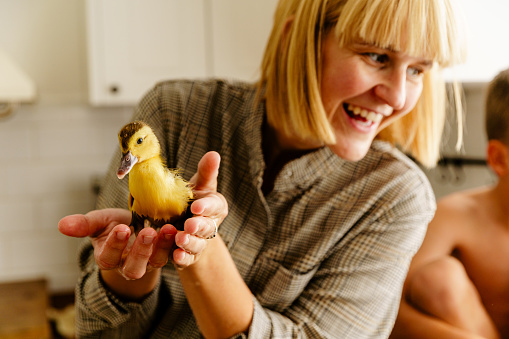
[
  {"x": 497, "y": 108},
  {"x": 497, "y": 125}
]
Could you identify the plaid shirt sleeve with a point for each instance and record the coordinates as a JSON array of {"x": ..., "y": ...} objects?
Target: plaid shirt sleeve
[{"x": 101, "y": 314}]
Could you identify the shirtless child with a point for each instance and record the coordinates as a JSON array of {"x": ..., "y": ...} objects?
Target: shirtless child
[{"x": 458, "y": 282}]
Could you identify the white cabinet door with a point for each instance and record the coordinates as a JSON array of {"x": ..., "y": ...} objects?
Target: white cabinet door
[
  {"x": 240, "y": 29},
  {"x": 135, "y": 43},
  {"x": 487, "y": 45},
  {"x": 132, "y": 44}
]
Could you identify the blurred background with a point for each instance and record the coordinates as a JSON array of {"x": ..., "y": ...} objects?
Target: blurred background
[{"x": 81, "y": 65}]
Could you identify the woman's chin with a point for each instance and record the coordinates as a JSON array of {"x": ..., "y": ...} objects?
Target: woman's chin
[{"x": 353, "y": 153}]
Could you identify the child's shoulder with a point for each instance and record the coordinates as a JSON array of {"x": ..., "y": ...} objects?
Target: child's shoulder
[
  {"x": 464, "y": 200},
  {"x": 470, "y": 207}
]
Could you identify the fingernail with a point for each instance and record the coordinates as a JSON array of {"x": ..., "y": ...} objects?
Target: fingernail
[
  {"x": 185, "y": 241},
  {"x": 179, "y": 255},
  {"x": 122, "y": 235},
  {"x": 147, "y": 240},
  {"x": 168, "y": 236}
]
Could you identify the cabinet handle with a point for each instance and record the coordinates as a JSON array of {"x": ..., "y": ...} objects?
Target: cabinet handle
[{"x": 114, "y": 89}]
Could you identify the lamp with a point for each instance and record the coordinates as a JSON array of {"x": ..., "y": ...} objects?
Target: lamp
[{"x": 15, "y": 85}]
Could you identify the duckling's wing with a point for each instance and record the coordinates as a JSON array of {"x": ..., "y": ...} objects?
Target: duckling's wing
[{"x": 130, "y": 201}]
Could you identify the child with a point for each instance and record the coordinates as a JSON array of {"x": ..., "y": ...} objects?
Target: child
[{"x": 457, "y": 286}]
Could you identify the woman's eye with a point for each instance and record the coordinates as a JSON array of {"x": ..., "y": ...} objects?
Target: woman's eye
[
  {"x": 378, "y": 58},
  {"x": 414, "y": 71},
  {"x": 139, "y": 141}
]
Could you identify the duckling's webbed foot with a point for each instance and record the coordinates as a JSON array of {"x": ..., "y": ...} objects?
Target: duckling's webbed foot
[
  {"x": 139, "y": 222},
  {"x": 147, "y": 223}
]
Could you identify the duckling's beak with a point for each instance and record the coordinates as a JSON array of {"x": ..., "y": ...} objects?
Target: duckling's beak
[{"x": 127, "y": 162}]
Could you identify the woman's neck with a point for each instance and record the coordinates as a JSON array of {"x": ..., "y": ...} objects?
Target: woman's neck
[{"x": 278, "y": 150}]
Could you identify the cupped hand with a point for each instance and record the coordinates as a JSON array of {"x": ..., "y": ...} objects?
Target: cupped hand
[
  {"x": 209, "y": 210},
  {"x": 115, "y": 248}
]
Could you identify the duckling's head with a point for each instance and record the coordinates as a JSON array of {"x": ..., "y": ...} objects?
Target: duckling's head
[{"x": 138, "y": 143}]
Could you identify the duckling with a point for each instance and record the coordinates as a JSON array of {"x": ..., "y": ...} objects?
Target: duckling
[{"x": 157, "y": 194}]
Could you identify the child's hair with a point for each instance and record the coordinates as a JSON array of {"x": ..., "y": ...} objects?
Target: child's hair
[
  {"x": 291, "y": 67},
  {"x": 497, "y": 108}
]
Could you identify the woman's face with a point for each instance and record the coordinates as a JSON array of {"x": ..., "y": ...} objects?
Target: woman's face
[{"x": 364, "y": 88}]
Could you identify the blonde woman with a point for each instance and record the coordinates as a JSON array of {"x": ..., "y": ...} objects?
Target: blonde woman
[{"x": 319, "y": 210}]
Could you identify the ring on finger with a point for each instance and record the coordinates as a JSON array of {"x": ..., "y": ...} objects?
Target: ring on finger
[{"x": 213, "y": 235}]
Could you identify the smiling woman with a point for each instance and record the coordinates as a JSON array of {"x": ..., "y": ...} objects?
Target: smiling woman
[
  {"x": 376, "y": 29},
  {"x": 318, "y": 213}
]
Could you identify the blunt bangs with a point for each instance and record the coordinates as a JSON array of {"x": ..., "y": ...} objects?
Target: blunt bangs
[{"x": 384, "y": 23}]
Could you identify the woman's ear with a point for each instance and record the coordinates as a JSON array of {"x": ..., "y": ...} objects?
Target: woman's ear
[{"x": 498, "y": 157}]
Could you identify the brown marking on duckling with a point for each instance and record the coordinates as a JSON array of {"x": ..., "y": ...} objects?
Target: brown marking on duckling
[{"x": 128, "y": 131}]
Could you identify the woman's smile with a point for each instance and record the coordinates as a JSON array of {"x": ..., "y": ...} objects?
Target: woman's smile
[{"x": 362, "y": 117}]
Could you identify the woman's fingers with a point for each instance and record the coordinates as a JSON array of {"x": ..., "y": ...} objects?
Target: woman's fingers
[
  {"x": 136, "y": 261},
  {"x": 133, "y": 257},
  {"x": 209, "y": 210},
  {"x": 206, "y": 176},
  {"x": 189, "y": 243},
  {"x": 115, "y": 247},
  {"x": 165, "y": 243},
  {"x": 191, "y": 246},
  {"x": 212, "y": 205},
  {"x": 183, "y": 259},
  {"x": 93, "y": 223},
  {"x": 108, "y": 254},
  {"x": 202, "y": 227}
]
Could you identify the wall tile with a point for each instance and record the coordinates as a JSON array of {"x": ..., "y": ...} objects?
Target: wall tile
[
  {"x": 75, "y": 142},
  {"x": 59, "y": 177},
  {"x": 5, "y": 254},
  {"x": 50, "y": 211},
  {"x": 14, "y": 144},
  {"x": 16, "y": 215},
  {"x": 38, "y": 249}
]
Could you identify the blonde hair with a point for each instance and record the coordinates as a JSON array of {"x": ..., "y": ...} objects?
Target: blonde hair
[
  {"x": 291, "y": 67},
  {"x": 497, "y": 108}
]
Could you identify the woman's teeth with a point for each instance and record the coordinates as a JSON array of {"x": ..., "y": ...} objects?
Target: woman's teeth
[{"x": 371, "y": 117}]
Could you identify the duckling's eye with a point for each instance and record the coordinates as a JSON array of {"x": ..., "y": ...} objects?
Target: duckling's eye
[{"x": 139, "y": 141}]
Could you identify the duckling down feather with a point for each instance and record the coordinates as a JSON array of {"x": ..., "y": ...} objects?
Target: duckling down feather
[{"x": 157, "y": 195}]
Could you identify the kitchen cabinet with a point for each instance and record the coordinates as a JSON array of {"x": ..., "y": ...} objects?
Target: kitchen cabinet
[
  {"x": 488, "y": 50},
  {"x": 133, "y": 44}
]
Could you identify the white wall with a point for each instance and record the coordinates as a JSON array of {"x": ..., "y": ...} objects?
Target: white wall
[{"x": 51, "y": 150}]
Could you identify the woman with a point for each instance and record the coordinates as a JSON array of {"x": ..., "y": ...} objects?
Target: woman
[{"x": 319, "y": 213}]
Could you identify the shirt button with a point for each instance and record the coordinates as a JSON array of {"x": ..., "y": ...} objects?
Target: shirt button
[{"x": 289, "y": 174}]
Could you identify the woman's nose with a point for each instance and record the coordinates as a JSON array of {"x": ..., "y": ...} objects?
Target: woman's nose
[{"x": 392, "y": 89}]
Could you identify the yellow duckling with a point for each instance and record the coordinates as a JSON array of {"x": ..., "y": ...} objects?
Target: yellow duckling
[{"x": 157, "y": 195}]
